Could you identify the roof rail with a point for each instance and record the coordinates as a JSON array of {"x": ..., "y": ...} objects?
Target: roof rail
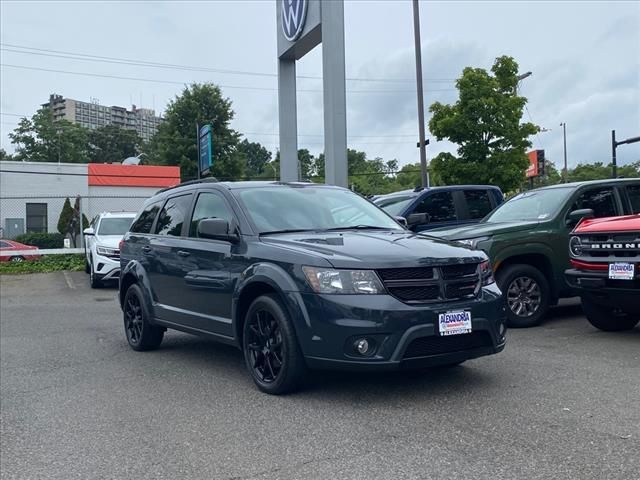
[
  {"x": 418, "y": 189},
  {"x": 190, "y": 182}
]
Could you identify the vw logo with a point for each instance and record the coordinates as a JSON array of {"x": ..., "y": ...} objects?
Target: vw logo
[{"x": 294, "y": 14}]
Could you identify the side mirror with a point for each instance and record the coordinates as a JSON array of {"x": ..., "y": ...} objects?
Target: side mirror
[
  {"x": 89, "y": 231},
  {"x": 402, "y": 221},
  {"x": 575, "y": 216},
  {"x": 418, "y": 219},
  {"x": 216, "y": 229}
]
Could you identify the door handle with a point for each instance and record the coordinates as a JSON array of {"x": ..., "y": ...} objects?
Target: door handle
[
  {"x": 183, "y": 253},
  {"x": 146, "y": 249}
]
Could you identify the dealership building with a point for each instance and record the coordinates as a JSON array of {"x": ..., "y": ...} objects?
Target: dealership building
[{"x": 32, "y": 194}]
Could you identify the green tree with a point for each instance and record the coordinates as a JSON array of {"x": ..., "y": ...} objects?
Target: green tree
[
  {"x": 175, "y": 142},
  {"x": 307, "y": 164},
  {"x": 485, "y": 123},
  {"x": 600, "y": 171},
  {"x": 111, "y": 143},
  {"x": 4, "y": 156},
  {"x": 409, "y": 177},
  {"x": 256, "y": 158},
  {"x": 69, "y": 220},
  {"x": 43, "y": 139}
]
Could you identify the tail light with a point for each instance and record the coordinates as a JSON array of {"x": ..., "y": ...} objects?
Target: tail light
[
  {"x": 121, "y": 245},
  {"x": 486, "y": 273}
]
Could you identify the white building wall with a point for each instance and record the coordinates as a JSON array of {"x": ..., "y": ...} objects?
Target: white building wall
[{"x": 114, "y": 199}]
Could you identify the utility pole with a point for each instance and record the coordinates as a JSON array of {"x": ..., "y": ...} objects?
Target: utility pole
[
  {"x": 423, "y": 145},
  {"x": 564, "y": 136},
  {"x": 614, "y": 146}
]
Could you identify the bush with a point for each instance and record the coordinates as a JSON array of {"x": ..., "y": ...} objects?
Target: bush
[
  {"x": 45, "y": 264},
  {"x": 42, "y": 240}
]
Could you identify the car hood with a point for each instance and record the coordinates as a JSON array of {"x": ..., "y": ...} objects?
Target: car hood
[
  {"x": 481, "y": 230},
  {"x": 375, "y": 249},
  {"x": 111, "y": 241}
]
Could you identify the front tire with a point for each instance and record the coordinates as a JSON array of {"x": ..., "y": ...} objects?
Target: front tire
[
  {"x": 141, "y": 335},
  {"x": 95, "y": 280},
  {"x": 608, "y": 319},
  {"x": 526, "y": 292},
  {"x": 270, "y": 347},
  {"x": 17, "y": 259}
]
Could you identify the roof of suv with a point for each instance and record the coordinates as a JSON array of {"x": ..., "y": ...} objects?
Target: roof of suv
[
  {"x": 419, "y": 191},
  {"x": 117, "y": 214},
  {"x": 591, "y": 182}
]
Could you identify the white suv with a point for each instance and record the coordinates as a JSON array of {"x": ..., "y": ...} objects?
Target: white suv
[{"x": 102, "y": 249}]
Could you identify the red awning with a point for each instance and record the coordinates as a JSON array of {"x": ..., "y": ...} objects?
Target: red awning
[{"x": 106, "y": 174}]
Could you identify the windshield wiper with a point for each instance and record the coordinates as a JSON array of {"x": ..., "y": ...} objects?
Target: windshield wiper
[
  {"x": 293, "y": 230},
  {"x": 357, "y": 227}
]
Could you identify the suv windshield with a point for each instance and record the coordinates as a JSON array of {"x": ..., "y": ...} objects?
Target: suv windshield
[
  {"x": 277, "y": 209},
  {"x": 114, "y": 226},
  {"x": 534, "y": 205},
  {"x": 394, "y": 205}
]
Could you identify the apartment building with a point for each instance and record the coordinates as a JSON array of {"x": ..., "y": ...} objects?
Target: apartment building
[{"x": 93, "y": 115}]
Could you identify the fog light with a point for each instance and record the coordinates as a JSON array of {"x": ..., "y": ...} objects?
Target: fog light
[
  {"x": 502, "y": 330},
  {"x": 362, "y": 346}
]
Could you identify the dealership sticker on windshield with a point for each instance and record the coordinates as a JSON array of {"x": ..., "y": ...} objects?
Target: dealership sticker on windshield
[
  {"x": 621, "y": 271},
  {"x": 454, "y": 323}
]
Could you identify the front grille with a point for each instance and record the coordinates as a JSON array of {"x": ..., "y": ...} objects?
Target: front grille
[
  {"x": 432, "y": 284},
  {"x": 435, "y": 345},
  {"x": 610, "y": 246},
  {"x": 416, "y": 294},
  {"x": 419, "y": 273}
]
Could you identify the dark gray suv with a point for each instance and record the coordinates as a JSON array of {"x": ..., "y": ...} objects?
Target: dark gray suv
[{"x": 300, "y": 275}]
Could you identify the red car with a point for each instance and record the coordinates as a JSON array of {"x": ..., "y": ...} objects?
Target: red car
[
  {"x": 8, "y": 247},
  {"x": 605, "y": 256}
]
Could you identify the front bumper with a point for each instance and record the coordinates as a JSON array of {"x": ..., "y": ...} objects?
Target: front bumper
[
  {"x": 403, "y": 335},
  {"x": 106, "y": 268},
  {"x": 598, "y": 287}
]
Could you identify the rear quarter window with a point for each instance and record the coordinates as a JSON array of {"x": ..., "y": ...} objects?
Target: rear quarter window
[{"x": 144, "y": 222}]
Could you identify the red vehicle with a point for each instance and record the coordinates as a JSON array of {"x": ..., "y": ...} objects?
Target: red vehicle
[
  {"x": 9, "y": 249},
  {"x": 605, "y": 256}
]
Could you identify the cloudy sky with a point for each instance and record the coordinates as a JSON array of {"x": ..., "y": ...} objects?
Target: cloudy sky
[{"x": 584, "y": 55}]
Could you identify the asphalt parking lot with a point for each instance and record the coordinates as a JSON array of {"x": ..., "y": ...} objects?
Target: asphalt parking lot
[{"x": 561, "y": 402}]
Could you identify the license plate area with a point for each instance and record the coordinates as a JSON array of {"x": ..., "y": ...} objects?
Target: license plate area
[
  {"x": 621, "y": 271},
  {"x": 454, "y": 323}
]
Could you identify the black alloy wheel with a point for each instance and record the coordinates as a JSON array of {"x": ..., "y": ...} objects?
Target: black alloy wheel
[
  {"x": 265, "y": 346},
  {"x": 141, "y": 335},
  {"x": 526, "y": 291},
  {"x": 270, "y": 347}
]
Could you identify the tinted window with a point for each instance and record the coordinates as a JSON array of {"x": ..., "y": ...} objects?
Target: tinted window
[
  {"x": 634, "y": 197},
  {"x": 4, "y": 245},
  {"x": 600, "y": 200},
  {"x": 439, "y": 206},
  {"x": 478, "y": 203},
  {"x": 144, "y": 222},
  {"x": 172, "y": 216},
  {"x": 394, "y": 205},
  {"x": 208, "y": 205}
]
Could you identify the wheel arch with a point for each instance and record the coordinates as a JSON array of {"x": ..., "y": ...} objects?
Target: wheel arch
[
  {"x": 537, "y": 260},
  {"x": 134, "y": 273}
]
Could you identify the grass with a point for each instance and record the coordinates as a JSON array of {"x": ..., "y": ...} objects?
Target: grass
[{"x": 45, "y": 264}]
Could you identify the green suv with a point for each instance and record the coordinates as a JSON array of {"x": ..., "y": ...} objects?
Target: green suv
[{"x": 527, "y": 239}]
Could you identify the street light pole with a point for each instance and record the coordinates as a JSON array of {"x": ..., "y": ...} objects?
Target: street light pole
[
  {"x": 418, "y": 48},
  {"x": 614, "y": 146},
  {"x": 564, "y": 136}
]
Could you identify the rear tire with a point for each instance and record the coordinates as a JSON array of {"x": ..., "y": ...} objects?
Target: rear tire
[
  {"x": 17, "y": 259},
  {"x": 526, "y": 291},
  {"x": 608, "y": 319},
  {"x": 140, "y": 333},
  {"x": 270, "y": 345}
]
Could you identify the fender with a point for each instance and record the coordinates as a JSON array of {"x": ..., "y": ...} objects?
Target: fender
[
  {"x": 278, "y": 279},
  {"x": 522, "y": 249},
  {"x": 135, "y": 269}
]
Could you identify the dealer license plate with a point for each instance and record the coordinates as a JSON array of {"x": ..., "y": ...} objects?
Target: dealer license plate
[
  {"x": 621, "y": 271},
  {"x": 454, "y": 323}
]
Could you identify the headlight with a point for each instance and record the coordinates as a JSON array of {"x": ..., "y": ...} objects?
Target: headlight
[
  {"x": 472, "y": 242},
  {"x": 328, "y": 280},
  {"x": 106, "y": 251},
  {"x": 486, "y": 273},
  {"x": 575, "y": 246}
]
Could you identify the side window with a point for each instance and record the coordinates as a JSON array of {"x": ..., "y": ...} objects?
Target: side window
[
  {"x": 633, "y": 191},
  {"x": 144, "y": 222},
  {"x": 601, "y": 201},
  {"x": 4, "y": 244},
  {"x": 172, "y": 216},
  {"x": 478, "y": 203},
  {"x": 439, "y": 206},
  {"x": 209, "y": 205}
]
